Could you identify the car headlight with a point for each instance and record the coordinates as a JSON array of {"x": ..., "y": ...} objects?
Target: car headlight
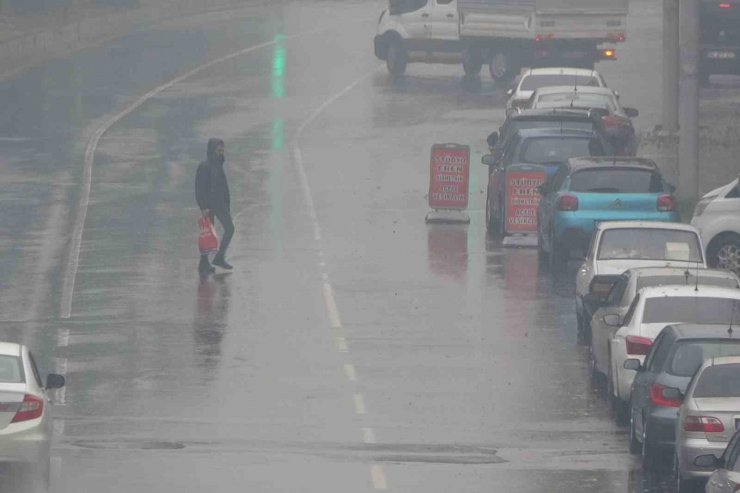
[{"x": 702, "y": 205}]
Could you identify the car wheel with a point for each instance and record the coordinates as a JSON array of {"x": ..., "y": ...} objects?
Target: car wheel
[
  {"x": 558, "y": 257},
  {"x": 650, "y": 456},
  {"x": 501, "y": 221},
  {"x": 635, "y": 446},
  {"x": 726, "y": 254},
  {"x": 396, "y": 59},
  {"x": 619, "y": 408}
]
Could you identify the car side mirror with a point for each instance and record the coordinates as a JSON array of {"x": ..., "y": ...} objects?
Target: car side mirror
[
  {"x": 492, "y": 139},
  {"x": 672, "y": 394},
  {"x": 613, "y": 320},
  {"x": 632, "y": 364},
  {"x": 708, "y": 461},
  {"x": 631, "y": 112},
  {"x": 488, "y": 160},
  {"x": 54, "y": 381},
  {"x": 510, "y": 92},
  {"x": 594, "y": 299}
]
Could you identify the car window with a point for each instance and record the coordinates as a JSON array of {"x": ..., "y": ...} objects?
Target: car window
[
  {"x": 11, "y": 369},
  {"x": 617, "y": 291},
  {"x": 558, "y": 149},
  {"x": 691, "y": 310},
  {"x": 510, "y": 150},
  {"x": 734, "y": 193},
  {"x": 650, "y": 244},
  {"x": 533, "y": 82},
  {"x": 688, "y": 356},
  {"x": 408, "y": 6},
  {"x": 631, "y": 311},
  {"x": 718, "y": 381},
  {"x": 659, "y": 353},
  {"x": 609, "y": 180},
  {"x": 35, "y": 369}
]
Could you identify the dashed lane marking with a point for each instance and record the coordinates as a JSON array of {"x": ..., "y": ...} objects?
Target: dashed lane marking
[
  {"x": 368, "y": 435},
  {"x": 349, "y": 371},
  {"x": 359, "y": 404},
  {"x": 341, "y": 344},
  {"x": 378, "y": 476},
  {"x": 331, "y": 306},
  {"x": 63, "y": 338}
]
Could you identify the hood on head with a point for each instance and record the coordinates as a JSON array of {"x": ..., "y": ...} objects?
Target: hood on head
[{"x": 212, "y": 144}]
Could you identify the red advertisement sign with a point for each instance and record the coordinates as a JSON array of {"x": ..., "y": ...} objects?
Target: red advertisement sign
[
  {"x": 523, "y": 199},
  {"x": 449, "y": 176}
]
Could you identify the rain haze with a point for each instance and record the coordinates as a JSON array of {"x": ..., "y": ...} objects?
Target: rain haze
[{"x": 429, "y": 249}]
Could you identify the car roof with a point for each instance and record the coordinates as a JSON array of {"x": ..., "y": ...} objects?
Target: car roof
[
  {"x": 554, "y": 132},
  {"x": 577, "y": 89},
  {"x": 10, "y": 349},
  {"x": 704, "y": 331},
  {"x": 704, "y": 291},
  {"x": 604, "y": 225},
  {"x": 663, "y": 271},
  {"x": 612, "y": 162},
  {"x": 560, "y": 70}
]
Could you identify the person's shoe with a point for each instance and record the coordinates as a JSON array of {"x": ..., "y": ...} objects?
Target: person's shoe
[
  {"x": 206, "y": 268},
  {"x": 221, "y": 262}
]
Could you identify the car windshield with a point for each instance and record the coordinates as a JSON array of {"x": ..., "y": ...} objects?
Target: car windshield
[
  {"x": 610, "y": 180},
  {"x": 650, "y": 244},
  {"x": 558, "y": 149},
  {"x": 691, "y": 310},
  {"x": 11, "y": 369},
  {"x": 533, "y": 82},
  {"x": 719, "y": 381},
  {"x": 579, "y": 99},
  {"x": 722, "y": 282},
  {"x": 688, "y": 356}
]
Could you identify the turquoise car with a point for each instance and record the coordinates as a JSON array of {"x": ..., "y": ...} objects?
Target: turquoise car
[{"x": 586, "y": 191}]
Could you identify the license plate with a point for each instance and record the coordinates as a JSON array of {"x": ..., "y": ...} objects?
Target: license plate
[{"x": 723, "y": 55}]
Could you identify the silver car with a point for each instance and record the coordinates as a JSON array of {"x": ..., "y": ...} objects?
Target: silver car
[
  {"x": 708, "y": 418},
  {"x": 25, "y": 414}
]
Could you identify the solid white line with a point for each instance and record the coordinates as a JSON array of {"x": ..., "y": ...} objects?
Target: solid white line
[
  {"x": 341, "y": 344},
  {"x": 349, "y": 371},
  {"x": 378, "y": 476},
  {"x": 368, "y": 435},
  {"x": 359, "y": 404},
  {"x": 331, "y": 307},
  {"x": 73, "y": 260},
  {"x": 63, "y": 338}
]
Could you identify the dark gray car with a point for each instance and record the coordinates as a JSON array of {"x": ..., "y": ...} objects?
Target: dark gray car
[{"x": 678, "y": 351}]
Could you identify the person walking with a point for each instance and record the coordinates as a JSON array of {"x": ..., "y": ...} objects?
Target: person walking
[{"x": 212, "y": 196}]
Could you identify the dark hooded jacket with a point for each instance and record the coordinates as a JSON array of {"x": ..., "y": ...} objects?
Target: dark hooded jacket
[{"x": 211, "y": 187}]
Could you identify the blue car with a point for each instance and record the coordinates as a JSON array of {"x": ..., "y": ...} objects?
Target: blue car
[{"x": 585, "y": 191}]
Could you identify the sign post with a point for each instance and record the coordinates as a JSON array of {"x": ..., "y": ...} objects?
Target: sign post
[{"x": 449, "y": 178}]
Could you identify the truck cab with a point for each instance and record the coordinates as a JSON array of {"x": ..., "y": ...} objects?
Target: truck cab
[{"x": 418, "y": 31}]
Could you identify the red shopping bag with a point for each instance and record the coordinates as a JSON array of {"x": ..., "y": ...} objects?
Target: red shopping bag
[{"x": 208, "y": 239}]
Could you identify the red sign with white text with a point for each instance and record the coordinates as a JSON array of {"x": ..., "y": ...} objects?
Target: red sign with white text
[
  {"x": 523, "y": 198},
  {"x": 449, "y": 177}
]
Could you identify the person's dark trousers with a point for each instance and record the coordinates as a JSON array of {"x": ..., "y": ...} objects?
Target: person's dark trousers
[
  {"x": 224, "y": 217},
  {"x": 204, "y": 266}
]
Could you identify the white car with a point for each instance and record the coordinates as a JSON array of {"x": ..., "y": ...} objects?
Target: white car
[
  {"x": 536, "y": 78},
  {"x": 717, "y": 216},
  {"x": 652, "y": 309},
  {"x": 25, "y": 414},
  {"x": 652, "y": 243}
]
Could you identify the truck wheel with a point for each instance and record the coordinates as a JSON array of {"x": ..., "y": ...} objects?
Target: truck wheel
[
  {"x": 500, "y": 68},
  {"x": 396, "y": 58}
]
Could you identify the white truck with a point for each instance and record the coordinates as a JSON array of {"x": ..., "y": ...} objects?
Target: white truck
[{"x": 508, "y": 35}]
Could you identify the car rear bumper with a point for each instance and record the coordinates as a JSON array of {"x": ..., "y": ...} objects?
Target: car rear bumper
[
  {"x": 24, "y": 442},
  {"x": 692, "y": 448}
]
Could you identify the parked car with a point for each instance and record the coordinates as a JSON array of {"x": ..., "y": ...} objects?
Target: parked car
[
  {"x": 710, "y": 413},
  {"x": 623, "y": 290},
  {"x": 616, "y": 120},
  {"x": 546, "y": 147},
  {"x": 653, "y": 309},
  {"x": 726, "y": 475},
  {"x": 534, "y": 78},
  {"x": 678, "y": 352},
  {"x": 585, "y": 191},
  {"x": 620, "y": 245},
  {"x": 25, "y": 414},
  {"x": 717, "y": 215}
]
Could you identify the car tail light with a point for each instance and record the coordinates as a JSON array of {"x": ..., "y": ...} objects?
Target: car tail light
[
  {"x": 666, "y": 203},
  {"x": 622, "y": 37},
  {"x": 638, "y": 345},
  {"x": 736, "y": 489},
  {"x": 31, "y": 408},
  {"x": 707, "y": 424},
  {"x": 611, "y": 121},
  {"x": 725, "y": 5},
  {"x": 656, "y": 395},
  {"x": 567, "y": 202}
]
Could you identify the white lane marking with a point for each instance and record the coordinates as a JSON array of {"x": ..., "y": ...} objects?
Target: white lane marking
[
  {"x": 61, "y": 394},
  {"x": 58, "y": 427},
  {"x": 359, "y": 404},
  {"x": 63, "y": 338},
  {"x": 349, "y": 371},
  {"x": 378, "y": 475},
  {"x": 61, "y": 366},
  {"x": 341, "y": 344},
  {"x": 368, "y": 435},
  {"x": 73, "y": 260},
  {"x": 331, "y": 306}
]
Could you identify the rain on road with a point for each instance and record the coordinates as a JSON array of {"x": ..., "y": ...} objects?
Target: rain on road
[{"x": 353, "y": 347}]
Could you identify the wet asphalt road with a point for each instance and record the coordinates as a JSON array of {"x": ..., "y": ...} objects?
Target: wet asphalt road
[{"x": 353, "y": 347}]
